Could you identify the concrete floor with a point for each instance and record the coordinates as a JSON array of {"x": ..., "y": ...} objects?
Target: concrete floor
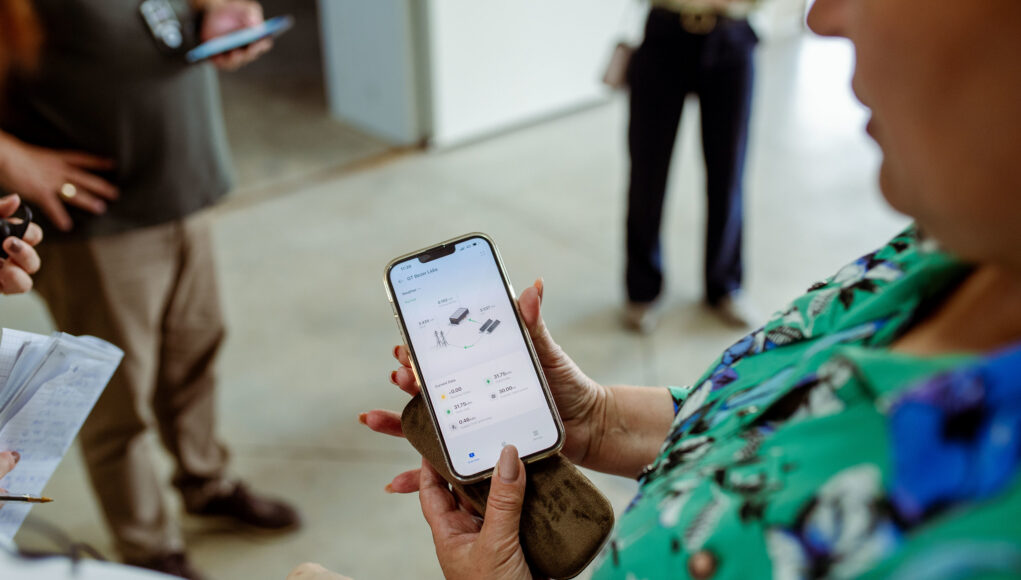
[
  {"x": 311, "y": 330},
  {"x": 280, "y": 131}
]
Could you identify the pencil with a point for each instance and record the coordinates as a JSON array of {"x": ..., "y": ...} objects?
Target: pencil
[{"x": 25, "y": 498}]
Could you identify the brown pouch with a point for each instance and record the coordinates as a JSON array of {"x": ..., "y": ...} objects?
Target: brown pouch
[{"x": 565, "y": 518}]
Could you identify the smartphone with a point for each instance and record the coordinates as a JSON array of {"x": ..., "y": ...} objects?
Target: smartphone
[
  {"x": 239, "y": 38},
  {"x": 472, "y": 355}
]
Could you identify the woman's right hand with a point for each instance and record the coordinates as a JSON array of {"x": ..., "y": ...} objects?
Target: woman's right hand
[
  {"x": 40, "y": 175},
  {"x": 579, "y": 399},
  {"x": 8, "y": 459}
]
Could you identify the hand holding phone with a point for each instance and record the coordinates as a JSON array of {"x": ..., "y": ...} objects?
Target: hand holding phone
[
  {"x": 576, "y": 395},
  {"x": 472, "y": 355},
  {"x": 233, "y": 34}
]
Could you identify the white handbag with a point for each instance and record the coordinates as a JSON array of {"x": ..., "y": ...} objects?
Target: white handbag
[{"x": 615, "y": 75}]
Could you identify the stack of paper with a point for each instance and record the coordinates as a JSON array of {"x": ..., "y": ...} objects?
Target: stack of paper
[{"x": 48, "y": 386}]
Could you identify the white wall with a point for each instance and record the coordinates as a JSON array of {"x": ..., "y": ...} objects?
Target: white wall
[
  {"x": 777, "y": 19},
  {"x": 371, "y": 73},
  {"x": 495, "y": 64},
  {"x": 458, "y": 70}
]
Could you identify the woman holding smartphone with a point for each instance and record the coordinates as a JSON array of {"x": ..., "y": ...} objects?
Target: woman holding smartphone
[{"x": 872, "y": 427}]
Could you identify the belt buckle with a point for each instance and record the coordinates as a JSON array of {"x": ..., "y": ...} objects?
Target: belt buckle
[{"x": 699, "y": 22}]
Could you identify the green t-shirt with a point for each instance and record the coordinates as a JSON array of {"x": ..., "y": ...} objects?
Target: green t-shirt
[{"x": 778, "y": 463}]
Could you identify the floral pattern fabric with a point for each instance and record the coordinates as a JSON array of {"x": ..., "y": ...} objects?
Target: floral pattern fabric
[{"x": 810, "y": 450}]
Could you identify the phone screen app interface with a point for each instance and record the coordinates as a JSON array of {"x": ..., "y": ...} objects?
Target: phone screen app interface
[{"x": 473, "y": 358}]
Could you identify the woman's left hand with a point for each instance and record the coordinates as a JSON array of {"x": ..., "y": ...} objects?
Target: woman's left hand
[
  {"x": 22, "y": 260},
  {"x": 470, "y": 547},
  {"x": 226, "y": 17}
]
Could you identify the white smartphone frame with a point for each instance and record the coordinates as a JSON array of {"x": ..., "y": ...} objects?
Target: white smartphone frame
[{"x": 401, "y": 326}]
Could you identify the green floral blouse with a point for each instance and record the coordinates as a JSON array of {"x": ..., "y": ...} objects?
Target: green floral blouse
[{"x": 780, "y": 460}]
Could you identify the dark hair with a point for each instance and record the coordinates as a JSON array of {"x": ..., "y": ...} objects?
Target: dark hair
[{"x": 20, "y": 37}]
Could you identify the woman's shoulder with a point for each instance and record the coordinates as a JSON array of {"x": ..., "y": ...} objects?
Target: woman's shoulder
[
  {"x": 890, "y": 281},
  {"x": 909, "y": 251}
]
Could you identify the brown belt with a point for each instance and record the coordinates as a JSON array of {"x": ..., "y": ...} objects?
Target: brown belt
[
  {"x": 695, "y": 20},
  {"x": 699, "y": 22}
]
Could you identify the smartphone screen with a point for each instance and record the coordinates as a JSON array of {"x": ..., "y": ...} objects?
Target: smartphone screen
[{"x": 473, "y": 357}]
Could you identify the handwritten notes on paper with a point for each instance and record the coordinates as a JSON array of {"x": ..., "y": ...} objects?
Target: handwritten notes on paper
[{"x": 48, "y": 386}]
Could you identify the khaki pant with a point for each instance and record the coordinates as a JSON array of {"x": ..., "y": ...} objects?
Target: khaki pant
[{"x": 153, "y": 293}]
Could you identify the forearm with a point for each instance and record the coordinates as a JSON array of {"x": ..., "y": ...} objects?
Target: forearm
[
  {"x": 205, "y": 4},
  {"x": 7, "y": 145},
  {"x": 632, "y": 424}
]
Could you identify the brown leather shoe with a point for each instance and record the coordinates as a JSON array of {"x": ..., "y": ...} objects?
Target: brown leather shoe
[
  {"x": 173, "y": 564},
  {"x": 246, "y": 507}
]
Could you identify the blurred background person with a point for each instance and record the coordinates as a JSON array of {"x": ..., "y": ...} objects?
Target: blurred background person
[
  {"x": 120, "y": 145},
  {"x": 19, "y": 38},
  {"x": 705, "y": 47},
  {"x": 19, "y": 50}
]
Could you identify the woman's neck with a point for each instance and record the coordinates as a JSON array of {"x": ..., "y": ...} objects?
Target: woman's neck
[{"x": 983, "y": 314}]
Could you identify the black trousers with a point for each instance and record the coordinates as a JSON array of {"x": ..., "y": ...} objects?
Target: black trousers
[{"x": 670, "y": 64}]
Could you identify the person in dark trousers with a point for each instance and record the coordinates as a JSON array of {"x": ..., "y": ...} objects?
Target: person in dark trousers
[{"x": 706, "y": 49}]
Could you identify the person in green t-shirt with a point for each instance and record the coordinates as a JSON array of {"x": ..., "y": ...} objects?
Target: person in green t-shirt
[
  {"x": 870, "y": 428},
  {"x": 120, "y": 146}
]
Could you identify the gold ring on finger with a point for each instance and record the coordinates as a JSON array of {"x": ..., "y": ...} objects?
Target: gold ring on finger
[{"x": 68, "y": 191}]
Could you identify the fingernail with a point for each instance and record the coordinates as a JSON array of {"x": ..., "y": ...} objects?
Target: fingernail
[
  {"x": 393, "y": 377},
  {"x": 17, "y": 456},
  {"x": 389, "y": 488},
  {"x": 509, "y": 464},
  {"x": 397, "y": 350},
  {"x": 9, "y": 196},
  {"x": 16, "y": 244},
  {"x": 363, "y": 418}
]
